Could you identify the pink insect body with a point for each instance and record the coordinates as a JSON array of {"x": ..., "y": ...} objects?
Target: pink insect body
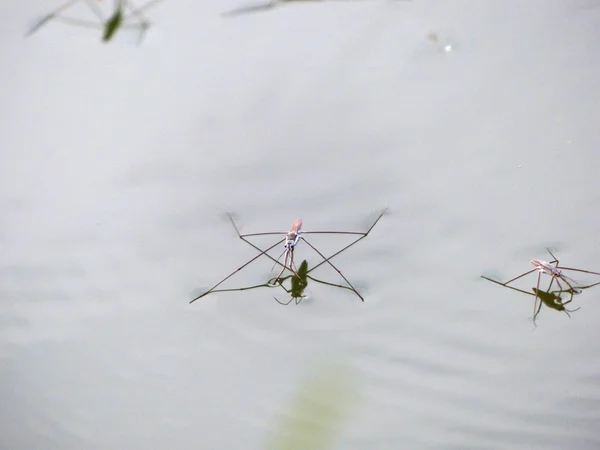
[
  {"x": 297, "y": 226},
  {"x": 294, "y": 234},
  {"x": 291, "y": 239},
  {"x": 545, "y": 267}
]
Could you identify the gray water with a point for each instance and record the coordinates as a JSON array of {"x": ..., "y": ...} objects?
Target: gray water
[{"x": 118, "y": 162}]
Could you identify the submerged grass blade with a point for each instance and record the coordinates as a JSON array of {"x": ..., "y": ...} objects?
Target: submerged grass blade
[{"x": 317, "y": 412}]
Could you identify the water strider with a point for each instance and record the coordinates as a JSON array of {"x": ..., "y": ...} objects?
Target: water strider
[{"x": 291, "y": 239}]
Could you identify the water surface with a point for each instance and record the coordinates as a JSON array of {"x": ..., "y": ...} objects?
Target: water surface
[{"x": 119, "y": 161}]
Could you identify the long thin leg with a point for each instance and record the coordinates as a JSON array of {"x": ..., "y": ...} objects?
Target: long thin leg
[
  {"x": 333, "y": 232},
  {"x": 580, "y": 288},
  {"x": 349, "y": 232},
  {"x": 270, "y": 233},
  {"x": 89, "y": 24},
  {"x": 535, "y": 313},
  {"x": 287, "y": 254},
  {"x": 520, "y": 276},
  {"x": 79, "y": 22},
  {"x": 364, "y": 235},
  {"x": 237, "y": 270},
  {"x": 51, "y": 16},
  {"x": 249, "y": 9},
  {"x": 298, "y": 282},
  {"x": 337, "y": 253},
  {"x": 578, "y": 270},
  {"x": 532, "y": 270},
  {"x": 326, "y": 260},
  {"x": 273, "y": 281},
  {"x": 137, "y": 12},
  {"x": 247, "y": 288},
  {"x": 110, "y": 25},
  {"x": 277, "y": 282},
  {"x": 507, "y": 286},
  {"x": 95, "y": 9},
  {"x": 292, "y": 266},
  {"x": 243, "y": 238},
  {"x": 285, "y": 303},
  {"x": 144, "y": 7},
  {"x": 144, "y": 23},
  {"x": 521, "y": 290},
  {"x": 297, "y": 299},
  {"x": 277, "y": 260},
  {"x": 335, "y": 268},
  {"x": 327, "y": 283},
  {"x": 559, "y": 298},
  {"x": 571, "y": 289},
  {"x": 553, "y": 257},
  {"x": 565, "y": 278}
]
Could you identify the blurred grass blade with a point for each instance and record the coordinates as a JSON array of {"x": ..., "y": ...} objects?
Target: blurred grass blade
[{"x": 319, "y": 407}]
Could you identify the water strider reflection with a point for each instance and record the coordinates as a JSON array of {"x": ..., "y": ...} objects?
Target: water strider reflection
[
  {"x": 123, "y": 10},
  {"x": 298, "y": 282}
]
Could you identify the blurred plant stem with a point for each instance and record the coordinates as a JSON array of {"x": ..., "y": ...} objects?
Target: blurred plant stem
[{"x": 321, "y": 403}]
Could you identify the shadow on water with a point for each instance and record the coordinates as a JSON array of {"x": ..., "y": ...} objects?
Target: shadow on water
[
  {"x": 266, "y": 6},
  {"x": 297, "y": 284}
]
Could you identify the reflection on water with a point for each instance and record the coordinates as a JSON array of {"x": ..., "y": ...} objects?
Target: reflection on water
[
  {"x": 298, "y": 282},
  {"x": 250, "y": 9},
  {"x": 259, "y": 7},
  {"x": 119, "y": 18}
]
